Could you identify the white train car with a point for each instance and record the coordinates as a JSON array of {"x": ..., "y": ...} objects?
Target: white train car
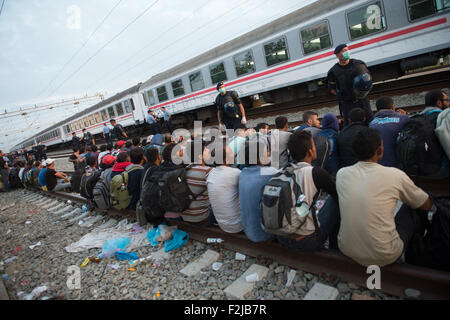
[{"x": 289, "y": 58}]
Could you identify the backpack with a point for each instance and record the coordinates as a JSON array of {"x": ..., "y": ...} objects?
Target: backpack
[
  {"x": 14, "y": 180},
  {"x": 100, "y": 191},
  {"x": 323, "y": 148},
  {"x": 419, "y": 152},
  {"x": 27, "y": 177},
  {"x": 75, "y": 180},
  {"x": 176, "y": 195},
  {"x": 283, "y": 211},
  {"x": 88, "y": 181},
  {"x": 443, "y": 130},
  {"x": 120, "y": 198}
]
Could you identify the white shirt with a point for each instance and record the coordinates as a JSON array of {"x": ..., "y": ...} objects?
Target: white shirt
[{"x": 223, "y": 191}]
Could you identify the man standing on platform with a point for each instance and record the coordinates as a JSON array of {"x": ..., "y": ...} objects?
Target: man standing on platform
[
  {"x": 107, "y": 134},
  {"x": 167, "y": 116},
  {"x": 350, "y": 81},
  {"x": 230, "y": 111}
]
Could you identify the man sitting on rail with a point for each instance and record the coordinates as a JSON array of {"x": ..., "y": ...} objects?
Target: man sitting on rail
[
  {"x": 311, "y": 181},
  {"x": 311, "y": 123},
  {"x": 389, "y": 123},
  {"x": 135, "y": 176},
  {"x": 252, "y": 180},
  {"x": 372, "y": 231},
  {"x": 51, "y": 176},
  {"x": 357, "y": 122},
  {"x": 223, "y": 188}
]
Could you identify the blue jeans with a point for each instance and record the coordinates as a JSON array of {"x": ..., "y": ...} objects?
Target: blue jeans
[{"x": 329, "y": 220}]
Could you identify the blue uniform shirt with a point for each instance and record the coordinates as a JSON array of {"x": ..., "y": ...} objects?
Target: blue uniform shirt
[
  {"x": 166, "y": 115},
  {"x": 106, "y": 129},
  {"x": 150, "y": 119}
]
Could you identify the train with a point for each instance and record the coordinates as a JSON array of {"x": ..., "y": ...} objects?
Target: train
[{"x": 284, "y": 60}]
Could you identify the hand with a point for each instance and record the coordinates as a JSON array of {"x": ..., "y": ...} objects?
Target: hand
[
  {"x": 401, "y": 111},
  {"x": 244, "y": 120}
]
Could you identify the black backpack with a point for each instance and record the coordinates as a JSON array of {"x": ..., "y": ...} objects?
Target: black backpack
[
  {"x": 75, "y": 180},
  {"x": 88, "y": 181},
  {"x": 14, "y": 180},
  {"x": 419, "y": 152},
  {"x": 323, "y": 149}
]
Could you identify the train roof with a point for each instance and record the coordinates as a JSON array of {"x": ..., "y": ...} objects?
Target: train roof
[
  {"x": 290, "y": 20},
  {"x": 105, "y": 102}
]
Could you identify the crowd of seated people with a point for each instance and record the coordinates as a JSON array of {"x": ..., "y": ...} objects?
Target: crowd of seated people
[{"x": 372, "y": 211}]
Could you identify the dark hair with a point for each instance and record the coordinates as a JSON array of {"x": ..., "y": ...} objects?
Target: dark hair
[
  {"x": 76, "y": 148},
  {"x": 260, "y": 126},
  {"x": 308, "y": 115},
  {"x": 299, "y": 144},
  {"x": 136, "y": 141},
  {"x": 280, "y": 122},
  {"x": 168, "y": 138},
  {"x": 122, "y": 157},
  {"x": 90, "y": 161},
  {"x": 167, "y": 152},
  {"x": 240, "y": 126},
  {"x": 250, "y": 147},
  {"x": 109, "y": 147},
  {"x": 191, "y": 149},
  {"x": 94, "y": 148},
  {"x": 365, "y": 143},
  {"x": 136, "y": 155},
  {"x": 128, "y": 144},
  {"x": 112, "y": 120},
  {"x": 152, "y": 154},
  {"x": 384, "y": 103},
  {"x": 103, "y": 148},
  {"x": 433, "y": 97},
  {"x": 357, "y": 115}
]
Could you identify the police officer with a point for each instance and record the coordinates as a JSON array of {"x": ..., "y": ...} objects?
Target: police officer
[
  {"x": 75, "y": 141},
  {"x": 350, "y": 81},
  {"x": 167, "y": 119},
  {"x": 230, "y": 110},
  {"x": 87, "y": 138},
  {"x": 153, "y": 123}
]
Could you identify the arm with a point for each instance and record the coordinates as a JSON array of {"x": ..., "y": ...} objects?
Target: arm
[
  {"x": 331, "y": 82},
  {"x": 323, "y": 181},
  {"x": 218, "y": 117},
  {"x": 426, "y": 206}
]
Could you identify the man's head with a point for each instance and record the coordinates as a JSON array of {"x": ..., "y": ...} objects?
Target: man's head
[
  {"x": 105, "y": 124},
  {"x": 357, "y": 115},
  {"x": 109, "y": 147},
  {"x": 107, "y": 162},
  {"x": 113, "y": 122},
  {"x": 91, "y": 161},
  {"x": 73, "y": 133},
  {"x": 262, "y": 128},
  {"x": 123, "y": 157},
  {"x": 50, "y": 163},
  {"x": 167, "y": 152},
  {"x": 84, "y": 130},
  {"x": 153, "y": 156},
  {"x": 163, "y": 109},
  {"x": 150, "y": 111},
  {"x": 103, "y": 148},
  {"x": 281, "y": 123},
  {"x": 368, "y": 145},
  {"x": 137, "y": 156},
  {"x": 301, "y": 146},
  {"x": 136, "y": 142},
  {"x": 342, "y": 52},
  {"x": 311, "y": 118},
  {"x": 128, "y": 144},
  {"x": 437, "y": 98},
  {"x": 385, "y": 103},
  {"x": 221, "y": 88}
]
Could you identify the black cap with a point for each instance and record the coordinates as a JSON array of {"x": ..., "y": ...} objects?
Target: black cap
[
  {"x": 219, "y": 84},
  {"x": 339, "y": 48},
  {"x": 84, "y": 129}
]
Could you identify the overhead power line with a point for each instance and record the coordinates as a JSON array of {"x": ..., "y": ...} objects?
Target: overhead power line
[
  {"x": 1, "y": 9},
  {"x": 78, "y": 51},
  {"x": 104, "y": 46}
]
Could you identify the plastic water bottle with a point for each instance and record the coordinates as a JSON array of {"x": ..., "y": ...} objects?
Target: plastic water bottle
[
  {"x": 84, "y": 208},
  {"x": 214, "y": 240}
]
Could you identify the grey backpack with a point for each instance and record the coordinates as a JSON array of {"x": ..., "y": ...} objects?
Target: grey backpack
[
  {"x": 283, "y": 207},
  {"x": 101, "y": 191}
]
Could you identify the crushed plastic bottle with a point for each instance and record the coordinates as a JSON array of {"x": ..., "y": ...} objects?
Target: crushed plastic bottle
[
  {"x": 214, "y": 240},
  {"x": 36, "y": 292}
]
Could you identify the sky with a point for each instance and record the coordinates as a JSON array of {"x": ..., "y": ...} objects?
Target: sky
[{"x": 58, "y": 50}]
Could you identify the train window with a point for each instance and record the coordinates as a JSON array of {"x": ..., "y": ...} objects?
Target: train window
[
  {"x": 162, "y": 94},
  {"x": 217, "y": 72},
  {"x": 80, "y": 124},
  {"x": 104, "y": 115},
  {"x": 196, "y": 80},
  {"x": 316, "y": 38},
  {"x": 423, "y": 8},
  {"x": 111, "y": 112},
  {"x": 151, "y": 98},
  {"x": 132, "y": 104},
  {"x": 145, "y": 99},
  {"x": 366, "y": 20},
  {"x": 244, "y": 63},
  {"x": 66, "y": 128},
  {"x": 276, "y": 51},
  {"x": 97, "y": 117},
  {"x": 126, "y": 104},
  {"x": 86, "y": 122},
  {"x": 119, "y": 109},
  {"x": 177, "y": 88},
  {"x": 91, "y": 119}
]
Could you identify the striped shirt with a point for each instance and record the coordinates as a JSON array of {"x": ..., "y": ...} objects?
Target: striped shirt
[{"x": 198, "y": 211}]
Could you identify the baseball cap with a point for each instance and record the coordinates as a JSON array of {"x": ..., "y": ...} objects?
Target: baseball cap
[
  {"x": 108, "y": 159},
  {"x": 218, "y": 85},
  {"x": 49, "y": 161},
  {"x": 339, "y": 48},
  {"x": 121, "y": 143}
]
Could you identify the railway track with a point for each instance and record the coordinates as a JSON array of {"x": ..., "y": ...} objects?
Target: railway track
[{"x": 395, "y": 279}]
